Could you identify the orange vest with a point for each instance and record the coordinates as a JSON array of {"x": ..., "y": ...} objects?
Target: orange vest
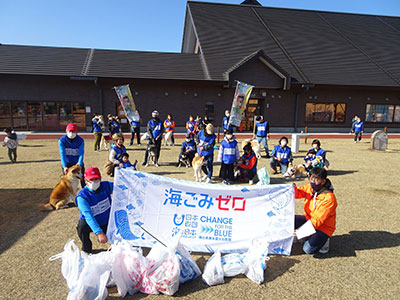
[{"x": 320, "y": 208}]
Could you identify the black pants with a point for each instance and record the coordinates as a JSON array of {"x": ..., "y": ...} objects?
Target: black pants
[
  {"x": 357, "y": 134},
  {"x": 135, "y": 130},
  {"x": 226, "y": 172},
  {"x": 249, "y": 174},
  {"x": 12, "y": 154},
  {"x": 84, "y": 234},
  {"x": 158, "y": 146}
]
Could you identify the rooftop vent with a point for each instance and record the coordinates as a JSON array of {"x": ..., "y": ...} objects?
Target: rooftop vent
[{"x": 251, "y": 2}]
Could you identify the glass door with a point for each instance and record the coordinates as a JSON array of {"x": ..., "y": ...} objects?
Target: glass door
[
  {"x": 252, "y": 109},
  {"x": 19, "y": 116},
  {"x": 34, "y": 115}
]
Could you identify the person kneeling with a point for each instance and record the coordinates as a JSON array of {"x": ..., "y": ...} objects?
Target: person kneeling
[
  {"x": 320, "y": 210},
  {"x": 94, "y": 203}
]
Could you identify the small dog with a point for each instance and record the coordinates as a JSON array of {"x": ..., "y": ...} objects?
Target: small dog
[
  {"x": 295, "y": 171},
  {"x": 105, "y": 143},
  {"x": 197, "y": 163},
  {"x": 65, "y": 190},
  {"x": 152, "y": 154},
  {"x": 186, "y": 159},
  {"x": 254, "y": 145}
]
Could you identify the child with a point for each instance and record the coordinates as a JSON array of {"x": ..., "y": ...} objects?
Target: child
[
  {"x": 126, "y": 163},
  {"x": 248, "y": 168},
  {"x": 12, "y": 143},
  {"x": 358, "y": 129},
  {"x": 320, "y": 210},
  {"x": 227, "y": 155}
]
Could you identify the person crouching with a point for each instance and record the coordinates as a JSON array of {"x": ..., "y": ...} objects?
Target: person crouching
[{"x": 248, "y": 167}]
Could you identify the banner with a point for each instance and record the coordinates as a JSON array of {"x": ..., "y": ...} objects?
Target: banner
[
  {"x": 125, "y": 97},
  {"x": 207, "y": 216},
  {"x": 240, "y": 99}
]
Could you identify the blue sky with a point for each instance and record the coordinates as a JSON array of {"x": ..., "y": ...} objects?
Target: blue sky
[{"x": 146, "y": 25}]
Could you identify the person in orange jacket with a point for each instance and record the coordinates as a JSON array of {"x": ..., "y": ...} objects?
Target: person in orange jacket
[
  {"x": 169, "y": 125},
  {"x": 320, "y": 209}
]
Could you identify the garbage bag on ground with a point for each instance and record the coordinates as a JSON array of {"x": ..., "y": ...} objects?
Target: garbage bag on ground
[
  {"x": 263, "y": 176},
  {"x": 233, "y": 264},
  {"x": 213, "y": 272},
  {"x": 255, "y": 259},
  {"x": 189, "y": 268}
]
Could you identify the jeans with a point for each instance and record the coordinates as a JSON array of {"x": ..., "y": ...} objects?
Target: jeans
[
  {"x": 12, "y": 154},
  {"x": 208, "y": 170},
  {"x": 135, "y": 130},
  {"x": 274, "y": 163},
  {"x": 263, "y": 140},
  {"x": 357, "y": 134},
  {"x": 97, "y": 140},
  {"x": 315, "y": 241},
  {"x": 84, "y": 231}
]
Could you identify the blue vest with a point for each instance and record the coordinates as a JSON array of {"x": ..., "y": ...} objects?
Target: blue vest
[
  {"x": 99, "y": 202},
  {"x": 261, "y": 129},
  {"x": 283, "y": 153},
  {"x": 156, "y": 127},
  {"x": 72, "y": 148},
  {"x": 115, "y": 127},
  {"x": 229, "y": 151},
  {"x": 191, "y": 146},
  {"x": 358, "y": 127},
  {"x": 225, "y": 123},
  {"x": 96, "y": 125},
  {"x": 254, "y": 168},
  {"x": 204, "y": 141},
  {"x": 135, "y": 123},
  {"x": 190, "y": 126},
  {"x": 119, "y": 152}
]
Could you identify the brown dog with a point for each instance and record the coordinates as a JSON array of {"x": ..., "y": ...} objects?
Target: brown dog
[
  {"x": 295, "y": 171},
  {"x": 197, "y": 163},
  {"x": 65, "y": 190}
]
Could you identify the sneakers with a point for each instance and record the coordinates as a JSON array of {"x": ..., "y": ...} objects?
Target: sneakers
[
  {"x": 144, "y": 163},
  {"x": 208, "y": 180},
  {"x": 139, "y": 144},
  {"x": 355, "y": 142},
  {"x": 204, "y": 177},
  {"x": 251, "y": 182},
  {"x": 325, "y": 247},
  {"x": 157, "y": 165},
  {"x": 224, "y": 182}
]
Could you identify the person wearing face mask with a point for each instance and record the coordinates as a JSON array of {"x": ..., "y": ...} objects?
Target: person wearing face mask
[
  {"x": 319, "y": 210},
  {"x": 225, "y": 122},
  {"x": 206, "y": 149},
  {"x": 188, "y": 147},
  {"x": 94, "y": 203},
  {"x": 261, "y": 133},
  {"x": 154, "y": 131},
  {"x": 320, "y": 153},
  {"x": 113, "y": 125},
  {"x": 115, "y": 156},
  {"x": 358, "y": 129},
  {"x": 169, "y": 125},
  {"x": 281, "y": 156},
  {"x": 72, "y": 148},
  {"x": 248, "y": 167},
  {"x": 191, "y": 127},
  {"x": 227, "y": 155}
]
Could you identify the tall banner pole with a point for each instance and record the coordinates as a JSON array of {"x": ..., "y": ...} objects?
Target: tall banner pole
[
  {"x": 240, "y": 100},
  {"x": 125, "y": 97}
]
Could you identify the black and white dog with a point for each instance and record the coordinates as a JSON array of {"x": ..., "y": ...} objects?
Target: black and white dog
[
  {"x": 151, "y": 154},
  {"x": 186, "y": 159}
]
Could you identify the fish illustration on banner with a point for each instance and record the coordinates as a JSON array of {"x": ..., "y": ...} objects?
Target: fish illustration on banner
[
  {"x": 240, "y": 99},
  {"x": 125, "y": 97},
  {"x": 206, "y": 217}
]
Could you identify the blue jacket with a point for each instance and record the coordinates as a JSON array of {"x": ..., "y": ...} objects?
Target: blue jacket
[
  {"x": 135, "y": 123},
  {"x": 207, "y": 142},
  {"x": 285, "y": 153},
  {"x": 94, "y": 206},
  {"x": 128, "y": 165},
  {"x": 71, "y": 151},
  {"x": 358, "y": 126},
  {"x": 229, "y": 152},
  {"x": 114, "y": 127},
  {"x": 155, "y": 127},
  {"x": 225, "y": 123},
  {"x": 191, "y": 146},
  {"x": 248, "y": 158},
  {"x": 262, "y": 128},
  {"x": 96, "y": 125},
  {"x": 119, "y": 152}
]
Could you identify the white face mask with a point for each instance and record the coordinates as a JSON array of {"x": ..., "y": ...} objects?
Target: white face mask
[
  {"x": 71, "y": 135},
  {"x": 283, "y": 143},
  {"x": 188, "y": 140},
  {"x": 93, "y": 185},
  {"x": 229, "y": 136},
  {"x": 315, "y": 146}
]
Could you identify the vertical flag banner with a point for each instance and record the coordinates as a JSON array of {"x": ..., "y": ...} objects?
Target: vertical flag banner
[
  {"x": 207, "y": 217},
  {"x": 240, "y": 99},
  {"x": 125, "y": 97}
]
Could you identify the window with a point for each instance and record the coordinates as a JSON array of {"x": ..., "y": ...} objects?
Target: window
[
  {"x": 382, "y": 113},
  {"x": 209, "y": 111},
  {"x": 325, "y": 112},
  {"x": 5, "y": 117}
]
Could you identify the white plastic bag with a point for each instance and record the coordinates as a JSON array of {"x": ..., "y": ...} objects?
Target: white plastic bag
[
  {"x": 188, "y": 267},
  {"x": 263, "y": 176},
  {"x": 233, "y": 264},
  {"x": 145, "y": 136},
  {"x": 213, "y": 272},
  {"x": 255, "y": 259}
]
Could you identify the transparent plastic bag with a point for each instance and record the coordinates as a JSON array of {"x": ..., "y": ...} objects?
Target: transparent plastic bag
[
  {"x": 166, "y": 276},
  {"x": 233, "y": 264},
  {"x": 188, "y": 267},
  {"x": 255, "y": 259},
  {"x": 213, "y": 272}
]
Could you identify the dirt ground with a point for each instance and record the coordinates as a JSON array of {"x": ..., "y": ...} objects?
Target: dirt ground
[{"x": 363, "y": 262}]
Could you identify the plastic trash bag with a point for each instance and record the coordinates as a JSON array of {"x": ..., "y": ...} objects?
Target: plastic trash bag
[
  {"x": 263, "y": 176},
  {"x": 145, "y": 136},
  {"x": 233, "y": 264},
  {"x": 213, "y": 272},
  {"x": 188, "y": 267},
  {"x": 255, "y": 259}
]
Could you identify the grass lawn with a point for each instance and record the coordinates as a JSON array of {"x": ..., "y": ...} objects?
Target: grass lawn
[{"x": 363, "y": 262}]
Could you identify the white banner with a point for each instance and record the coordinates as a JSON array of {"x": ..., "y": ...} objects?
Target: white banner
[
  {"x": 208, "y": 216},
  {"x": 240, "y": 99}
]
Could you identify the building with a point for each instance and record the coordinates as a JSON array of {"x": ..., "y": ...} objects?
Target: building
[{"x": 309, "y": 68}]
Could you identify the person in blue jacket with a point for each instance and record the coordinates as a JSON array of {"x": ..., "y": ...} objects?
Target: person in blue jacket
[
  {"x": 116, "y": 152},
  {"x": 72, "y": 149},
  {"x": 261, "y": 133},
  {"x": 135, "y": 129},
  {"x": 225, "y": 122},
  {"x": 228, "y": 154},
  {"x": 155, "y": 132},
  {"x": 94, "y": 203},
  {"x": 113, "y": 124},
  {"x": 358, "y": 129},
  {"x": 126, "y": 163},
  {"x": 206, "y": 149},
  {"x": 281, "y": 156},
  {"x": 188, "y": 147}
]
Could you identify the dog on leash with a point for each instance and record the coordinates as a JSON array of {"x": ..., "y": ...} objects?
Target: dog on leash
[
  {"x": 255, "y": 145},
  {"x": 294, "y": 171},
  {"x": 197, "y": 163},
  {"x": 151, "y": 154},
  {"x": 186, "y": 159},
  {"x": 105, "y": 143},
  {"x": 65, "y": 190}
]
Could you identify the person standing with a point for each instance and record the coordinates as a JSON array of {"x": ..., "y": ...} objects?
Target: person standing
[
  {"x": 11, "y": 141},
  {"x": 97, "y": 131},
  {"x": 113, "y": 124},
  {"x": 135, "y": 130},
  {"x": 72, "y": 149},
  {"x": 358, "y": 129},
  {"x": 94, "y": 203},
  {"x": 206, "y": 149},
  {"x": 281, "y": 156},
  {"x": 154, "y": 131},
  {"x": 225, "y": 122},
  {"x": 169, "y": 126},
  {"x": 261, "y": 133},
  {"x": 227, "y": 155},
  {"x": 191, "y": 127}
]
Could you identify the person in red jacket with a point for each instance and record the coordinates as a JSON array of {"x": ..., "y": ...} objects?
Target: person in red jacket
[
  {"x": 320, "y": 210},
  {"x": 248, "y": 167}
]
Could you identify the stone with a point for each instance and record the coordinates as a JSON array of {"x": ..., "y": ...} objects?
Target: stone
[{"x": 379, "y": 141}]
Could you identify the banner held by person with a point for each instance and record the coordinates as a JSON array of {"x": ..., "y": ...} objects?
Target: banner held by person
[
  {"x": 125, "y": 97},
  {"x": 208, "y": 217},
  {"x": 240, "y": 99}
]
